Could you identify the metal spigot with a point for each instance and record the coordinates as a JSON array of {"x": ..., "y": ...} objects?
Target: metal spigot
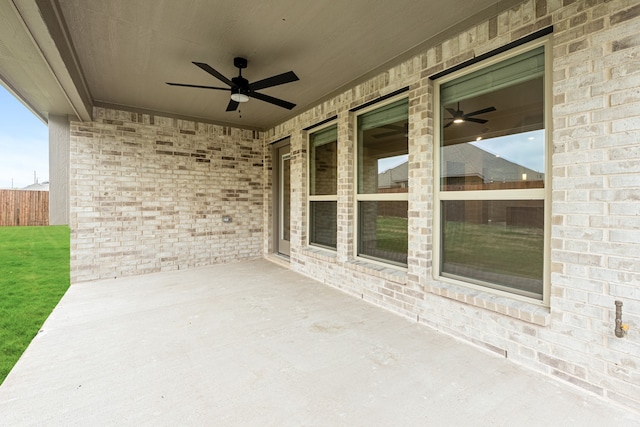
[{"x": 620, "y": 328}]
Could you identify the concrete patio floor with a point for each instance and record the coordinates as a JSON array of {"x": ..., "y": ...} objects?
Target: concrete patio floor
[{"x": 253, "y": 343}]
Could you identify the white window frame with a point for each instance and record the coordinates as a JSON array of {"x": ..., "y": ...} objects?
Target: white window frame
[
  {"x": 319, "y": 198},
  {"x": 543, "y": 194},
  {"x": 380, "y": 197}
]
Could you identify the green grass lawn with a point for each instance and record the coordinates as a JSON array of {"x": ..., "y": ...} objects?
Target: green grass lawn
[{"x": 34, "y": 274}]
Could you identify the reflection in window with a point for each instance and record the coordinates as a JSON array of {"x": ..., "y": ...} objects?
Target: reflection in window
[
  {"x": 383, "y": 183},
  {"x": 496, "y": 241},
  {"x": 493, "y": 138},
  {"x": 323, "y": 223},
  {"x": 383, "y": 230},
  {"x": 323, "y": 187},
  {"x": 382, "y": 150},
  {"x": 493, "y": 126},
  {"x": 323, "y": 170},
  {"x": 285, "y": 191}
]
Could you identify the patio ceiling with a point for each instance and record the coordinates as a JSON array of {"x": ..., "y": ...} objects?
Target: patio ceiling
[{"x": 64, "y": 56}]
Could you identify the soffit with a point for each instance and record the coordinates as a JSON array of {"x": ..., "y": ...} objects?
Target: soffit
[
  {"x": 123, "y": 51},
  {"x": 24, "y": 70}
]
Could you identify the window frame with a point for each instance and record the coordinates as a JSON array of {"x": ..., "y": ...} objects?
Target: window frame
[
  {"x": 376, "y": 197},
  {"x": 319, "y": 198},
  {"x": 543, "y": 194}
]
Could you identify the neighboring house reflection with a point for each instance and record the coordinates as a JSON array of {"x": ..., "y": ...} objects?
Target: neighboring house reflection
[{"x": 466, "y": 167}]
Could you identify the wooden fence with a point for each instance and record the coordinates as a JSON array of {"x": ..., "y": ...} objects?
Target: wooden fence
[{"x": 24, "y": 207}]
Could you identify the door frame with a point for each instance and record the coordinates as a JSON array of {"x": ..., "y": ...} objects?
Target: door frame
[{"x": 276, "y": 150}]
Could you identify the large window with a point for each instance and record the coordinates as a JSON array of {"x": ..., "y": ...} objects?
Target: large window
[
  {"x": 323, "y": 187},
  {"x": 491, "y": 167},
  {"x": 383, "y": 183}
]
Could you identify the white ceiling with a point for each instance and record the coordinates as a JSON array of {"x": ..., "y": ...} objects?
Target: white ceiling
[{"x": 121, "y": 52}]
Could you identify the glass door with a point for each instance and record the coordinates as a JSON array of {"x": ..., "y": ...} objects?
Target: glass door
[{"x": 283, "y": 200}]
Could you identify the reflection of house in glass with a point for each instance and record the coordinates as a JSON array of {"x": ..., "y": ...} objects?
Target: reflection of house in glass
[
  {"x": 467, "y": 167},
  {"x": 394, "y": 180}
]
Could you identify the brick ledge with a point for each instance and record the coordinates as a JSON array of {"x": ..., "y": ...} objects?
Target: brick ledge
[
  {"x": 326, "y": 255},
  {"x": 527, "y": 312},
  {"x": 396, "y": 275}
]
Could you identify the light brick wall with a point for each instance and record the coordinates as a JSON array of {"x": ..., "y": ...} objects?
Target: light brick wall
[
  {"x": 595, "y": 255},
  {"x": 148, "y": 194}
]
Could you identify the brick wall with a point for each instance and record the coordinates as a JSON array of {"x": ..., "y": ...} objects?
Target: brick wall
[
  {"x": 149, "y": 194},
  {"x": 595, "y": 257}
]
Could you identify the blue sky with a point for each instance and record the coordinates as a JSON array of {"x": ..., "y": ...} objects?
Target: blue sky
[
  {"x": 525, "y": 149},
  {"x": 24, "y": 144}
]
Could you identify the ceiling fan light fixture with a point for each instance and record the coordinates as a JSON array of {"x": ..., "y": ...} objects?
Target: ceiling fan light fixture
[
  {"x": 239, "y": 97},
  {"x": 458, "y": 120}
]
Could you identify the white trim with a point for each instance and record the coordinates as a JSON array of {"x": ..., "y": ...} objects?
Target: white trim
[
  {"x": 388, "y": 197},
  {"x": 324, "y": 198},
  {"x": 524, "y": 194}
]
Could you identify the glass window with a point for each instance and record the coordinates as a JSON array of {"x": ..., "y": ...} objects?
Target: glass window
[
  {"x": 383, "y": 183},
  {"x": 492, "y": 175},
  {"x": 324, "y": 162},
  {"x": 493, "y": 127},
  {"x": 323, "y": 187},
  {"x": 495, "y": 241},
  {"x": 323, "y": 223},
  {"x": 383, "y": 150},
  {"x": 383, "y": 230}
]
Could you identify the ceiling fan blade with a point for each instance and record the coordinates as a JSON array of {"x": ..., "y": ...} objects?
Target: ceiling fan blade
[
  {"x": 451, "y": 111},
  {"x": 209, "y": 69},
  {"x": 484, "y": 110},
  {"x": 280, "y": 79},
  {"x": 447, "y": 125},
  {"x": 198, "y": 86},
  {"x": 233, "y": 105},
  {"x": 474, "y": 120},
  {"x": 272, "y": 100}
]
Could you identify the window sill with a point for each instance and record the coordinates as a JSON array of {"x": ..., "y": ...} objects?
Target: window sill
[
  {"x": 525, "y": 311},
  {"x": 390, "y": 273},
  {"x": 326, "y": 255}
]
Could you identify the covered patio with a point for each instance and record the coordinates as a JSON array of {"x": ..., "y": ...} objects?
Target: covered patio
[{"x": 254, "y": 343}]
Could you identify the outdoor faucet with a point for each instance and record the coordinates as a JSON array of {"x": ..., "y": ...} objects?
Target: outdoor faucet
[{"x": 621, "y": 329}]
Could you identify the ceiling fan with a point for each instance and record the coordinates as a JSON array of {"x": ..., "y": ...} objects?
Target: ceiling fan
[
  {"x": 240, "y": 88},
  {"x": 458, "y": 116}
]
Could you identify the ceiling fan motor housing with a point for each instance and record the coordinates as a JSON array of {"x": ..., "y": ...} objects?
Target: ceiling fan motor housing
[{"x": 242, "y": 84}]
